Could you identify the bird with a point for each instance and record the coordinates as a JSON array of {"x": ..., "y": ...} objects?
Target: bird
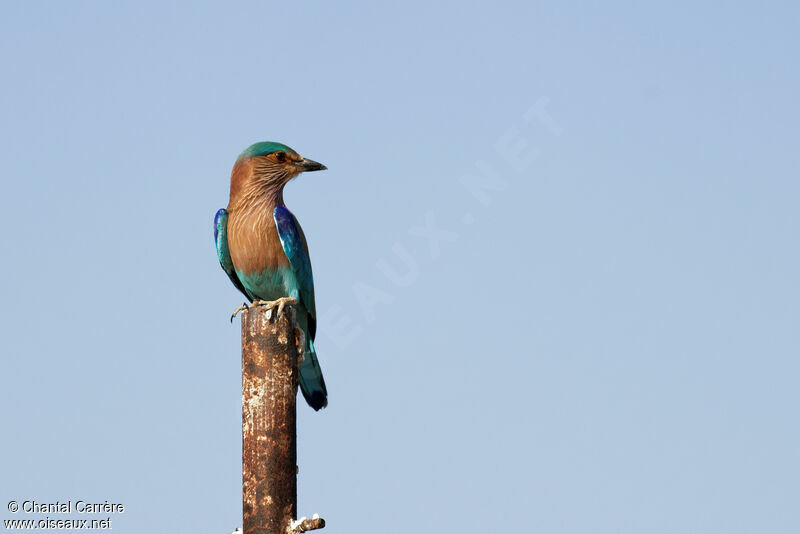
[{"x": 262, "y": 248}]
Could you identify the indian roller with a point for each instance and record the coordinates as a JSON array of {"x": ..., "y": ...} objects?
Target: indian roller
[{"x": 261, "y": 247}]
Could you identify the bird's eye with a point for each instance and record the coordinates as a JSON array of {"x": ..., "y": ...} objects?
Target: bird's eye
[{"x": 280, "y": 157}]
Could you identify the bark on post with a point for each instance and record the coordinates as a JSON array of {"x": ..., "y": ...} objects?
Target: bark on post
[{"x": 269, "y": 420}]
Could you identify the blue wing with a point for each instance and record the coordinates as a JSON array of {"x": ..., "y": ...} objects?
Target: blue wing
[
  {"x": 223, "y": 254},
  {"x": 312, "y": 384},
  {"x": 296, "y": 250}
]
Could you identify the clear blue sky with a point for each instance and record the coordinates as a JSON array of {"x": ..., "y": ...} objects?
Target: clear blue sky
[{"x": 600, "y": 337}]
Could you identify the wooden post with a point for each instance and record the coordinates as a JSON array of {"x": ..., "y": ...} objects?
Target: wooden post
[
  {"x": 270, "y": 366},
  {"x": 269, "y": 420}
]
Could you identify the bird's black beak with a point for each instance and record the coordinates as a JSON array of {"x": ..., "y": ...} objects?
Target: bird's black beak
[{"x": 307, "y": 165}]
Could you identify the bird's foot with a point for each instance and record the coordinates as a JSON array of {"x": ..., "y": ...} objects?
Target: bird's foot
[
  {"x": 277, "y": 303},
  {"x": 271, "y": 304},
  {"x": 239, "y": 309}
]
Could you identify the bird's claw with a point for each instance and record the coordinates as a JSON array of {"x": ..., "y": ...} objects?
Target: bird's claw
[
  {"x": 237, "y": 310},
  {"x": 277, "y": 303}
]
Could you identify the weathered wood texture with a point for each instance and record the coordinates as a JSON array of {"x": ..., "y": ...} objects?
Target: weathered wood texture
[{"x": 269, "y": 420}]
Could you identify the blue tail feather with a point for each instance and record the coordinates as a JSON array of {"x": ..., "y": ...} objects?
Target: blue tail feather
[{"x": 311, "y": 382}]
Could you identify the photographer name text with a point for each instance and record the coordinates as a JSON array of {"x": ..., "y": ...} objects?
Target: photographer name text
[{"x": 66, "y": 507}]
